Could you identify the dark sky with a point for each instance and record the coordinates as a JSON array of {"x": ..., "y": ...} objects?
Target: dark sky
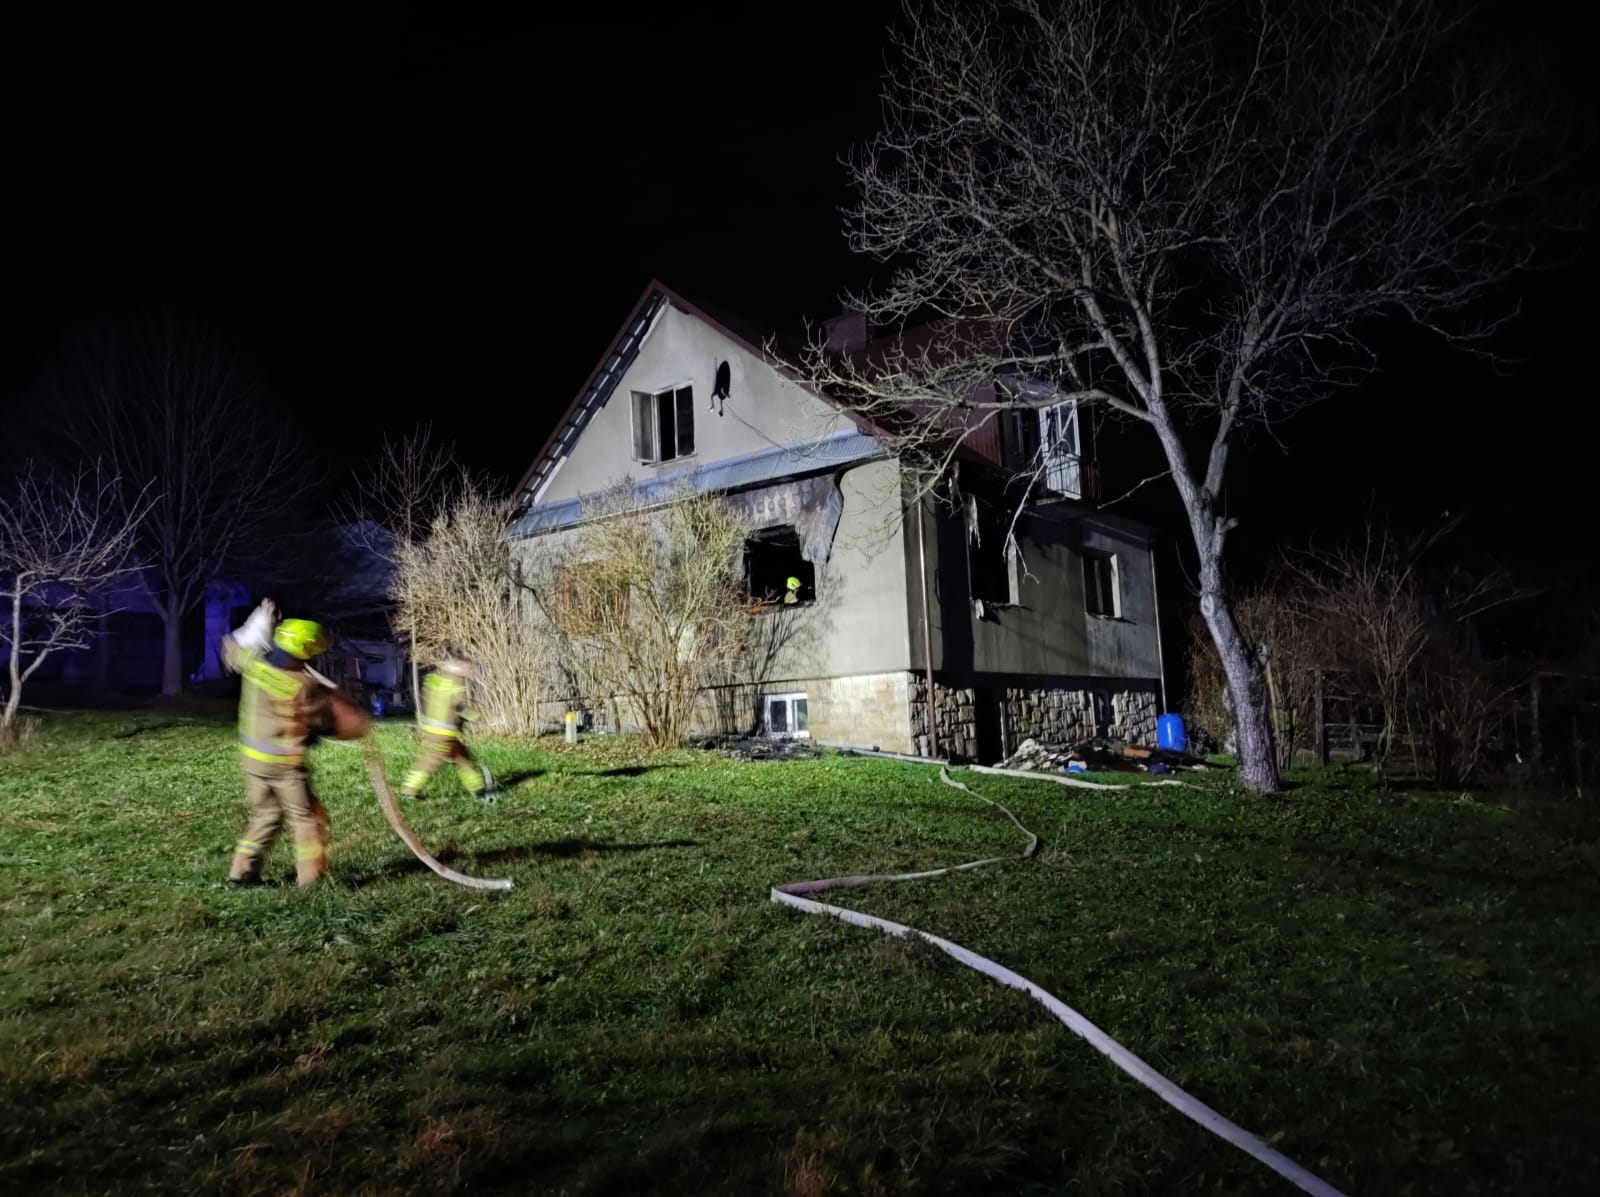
[{"x": 416, "y": 214}]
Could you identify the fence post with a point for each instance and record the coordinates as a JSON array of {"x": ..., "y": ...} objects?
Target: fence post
[
  {"x": 1321, "y": 732},
  {"x": 1536, "y": 736}
]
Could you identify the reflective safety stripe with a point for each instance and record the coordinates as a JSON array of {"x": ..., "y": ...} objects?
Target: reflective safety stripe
[
  {"x": 416, "y": 778},
  {"x": 308, "y": 851},
  {"x": 268, "y": 758},
  {"x": 279, "y": 683},
  {"x": 247, "y": 848},
  {"x": 434, "y": 728}
]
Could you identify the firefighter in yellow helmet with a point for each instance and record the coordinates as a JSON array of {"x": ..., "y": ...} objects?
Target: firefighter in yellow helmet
[
  {"x": 282, "y": 707},
  {"x": 444, "y": 709},
  {"x": 791, "y": 592}
]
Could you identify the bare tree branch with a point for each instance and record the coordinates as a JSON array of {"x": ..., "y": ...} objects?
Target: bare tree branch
[{"x": 1190, "y": 216}]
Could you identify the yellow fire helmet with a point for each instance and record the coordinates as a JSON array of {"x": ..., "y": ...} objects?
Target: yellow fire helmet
[
  {"x": 794, "y": 583},
  {"x": 301, "y": 638}
]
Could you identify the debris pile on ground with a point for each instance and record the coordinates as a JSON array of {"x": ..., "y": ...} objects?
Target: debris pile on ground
[
  {"x": 1097, "y": 756},
  {"x": 760, "y": 748}
]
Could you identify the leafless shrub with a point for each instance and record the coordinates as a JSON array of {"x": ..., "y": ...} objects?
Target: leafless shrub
[
  {"x": 649, "y": 603},
  {"x": 461, "y": 591},
  {"x": 1291, "y": 646}
]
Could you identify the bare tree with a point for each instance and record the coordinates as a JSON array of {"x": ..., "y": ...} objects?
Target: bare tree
[
  {"x": 650, "y": 605},
  {"x": 411, "y": 482},
  {"x": 63, "y": 542},
  {"x": 1188, "y": 215},
  {"x": 462, "y": 591},
  {"x": 176, "y": 417}
]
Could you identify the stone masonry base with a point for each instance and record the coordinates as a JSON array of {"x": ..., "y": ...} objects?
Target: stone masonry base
[{"x": 888, "y": 711}]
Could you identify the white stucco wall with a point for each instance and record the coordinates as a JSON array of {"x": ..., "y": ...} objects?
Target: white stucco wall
[{"x": 763, "y": 408}]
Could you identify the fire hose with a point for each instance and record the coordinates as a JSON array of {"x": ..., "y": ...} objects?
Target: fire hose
[
  {"x": 380, "y": 783},
  {"x": 391, "y": 812},
  {"x": 1191, "y": 1107}
]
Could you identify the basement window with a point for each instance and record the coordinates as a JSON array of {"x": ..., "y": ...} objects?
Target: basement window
[
  {"x": 663, "y": 424},
  {"x": 785, "y": 715},
  {"x": 1102, "y": 594},
  {"x": 771, "y": 558}
]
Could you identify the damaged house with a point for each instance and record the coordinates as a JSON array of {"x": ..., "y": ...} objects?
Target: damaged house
[{"x": 1052, "y": 635}]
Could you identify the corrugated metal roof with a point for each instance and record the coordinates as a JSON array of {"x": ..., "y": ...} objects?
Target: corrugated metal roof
[{"x": 735, "y": 473}]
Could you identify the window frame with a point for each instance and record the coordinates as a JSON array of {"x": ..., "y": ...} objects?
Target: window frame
[
  {"x": 681, "y": 396},
  {"x": 999, "y": 532},
  {"x": 806, "y": 596},
  {"x": 788, "y": 698},
  {"x": 1092, "y": 593},
  {"x": 1037, "y": 436}
]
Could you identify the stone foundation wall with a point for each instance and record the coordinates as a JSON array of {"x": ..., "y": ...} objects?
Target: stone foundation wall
[
  {"x": 1050, "y": 716},
  {"x": 1134, "y": 714},
  {"x": 870, "y": 710},
  {"x": 1056, "y": 715},
  {"x": 958, "y": 729},
  {"x": 1061, "y": 716},
  {"x": 889, "y": 711}
]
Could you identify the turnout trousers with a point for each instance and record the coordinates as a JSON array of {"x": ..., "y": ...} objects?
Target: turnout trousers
[
  {"x": 436, "y": 750},
  {"x": 276, "y": 793}
]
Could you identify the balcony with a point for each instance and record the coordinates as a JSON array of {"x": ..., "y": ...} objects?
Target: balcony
[{"x": 1068, "y": 476}]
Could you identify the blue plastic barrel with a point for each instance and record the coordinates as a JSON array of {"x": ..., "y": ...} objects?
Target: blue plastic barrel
[{"x": 1169, "y": 733}]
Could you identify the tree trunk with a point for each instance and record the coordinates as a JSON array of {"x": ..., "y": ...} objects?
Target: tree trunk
[
  {"x": 1258, "y": 761},
  {"x": 172, "y": 651},
  {"x": 8, "y": 716},
  {"x": 13, "y": 661}
]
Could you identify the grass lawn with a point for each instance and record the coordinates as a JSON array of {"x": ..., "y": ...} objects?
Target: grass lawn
[{"x": 1396, "y": 989}]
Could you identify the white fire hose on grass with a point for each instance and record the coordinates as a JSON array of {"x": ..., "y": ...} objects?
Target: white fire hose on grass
[
  {"x": 391, "y": 812},
  {"x": 793, "y": 895}
]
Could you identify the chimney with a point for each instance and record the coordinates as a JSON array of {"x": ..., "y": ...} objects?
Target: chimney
[{"x": 847, "y": 333}]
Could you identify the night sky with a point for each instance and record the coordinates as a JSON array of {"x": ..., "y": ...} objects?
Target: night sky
[{"x": 412, "y": 215}]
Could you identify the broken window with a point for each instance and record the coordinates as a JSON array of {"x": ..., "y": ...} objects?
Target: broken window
[
  {"x": 1101, "y": 594},
  {"x": 785, "y": 715},
  {"x": 988, "y": 563},
  {"x": 772, "y": 561},
  {"x": 1045, "y": 438},
  {"x": 663, "y": 424}
]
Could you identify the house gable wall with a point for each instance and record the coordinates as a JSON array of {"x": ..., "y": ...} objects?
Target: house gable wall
[{"x": 763, "y": 408}]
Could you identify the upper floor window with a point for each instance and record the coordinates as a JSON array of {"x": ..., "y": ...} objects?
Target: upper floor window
[
  {"x": 988, "y": 558},
  {"x": 663, "y": 424},
  {"x": 1046, "y": 438},
  {"x": 1102, "y": 592}
]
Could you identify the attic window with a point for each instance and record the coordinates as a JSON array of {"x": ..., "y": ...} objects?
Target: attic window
[
  {"x": 663, "y": 424},
  {"x": 771, "y": 558}
]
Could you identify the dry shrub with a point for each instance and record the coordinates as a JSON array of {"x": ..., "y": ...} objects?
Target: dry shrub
[
  {"x": 22, "y": 733},
  {"x": 1273, "y": 618},
  {"x": 462, "y": 591},
  {"x": 649, "y": 604}
]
